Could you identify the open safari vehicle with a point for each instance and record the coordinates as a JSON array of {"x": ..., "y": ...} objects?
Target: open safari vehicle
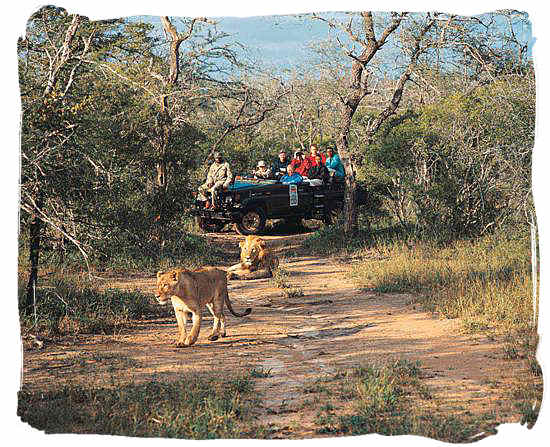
[{"x": 249, "y": 203}]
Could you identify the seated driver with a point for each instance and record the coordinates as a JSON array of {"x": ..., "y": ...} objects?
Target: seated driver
[
  {"x": 292, "y": 177},
  {"x": 219, "y": 177}
]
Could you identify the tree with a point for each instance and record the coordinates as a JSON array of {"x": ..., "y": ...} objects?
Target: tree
[
  {"x": 52, "y": 61},
  {"x": 359, "y": 86}
]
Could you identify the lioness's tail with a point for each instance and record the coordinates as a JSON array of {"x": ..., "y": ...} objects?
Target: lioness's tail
[{"x": 246, "y": 312}]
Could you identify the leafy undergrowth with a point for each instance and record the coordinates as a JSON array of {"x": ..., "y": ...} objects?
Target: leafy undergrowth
[{"x": 79, "y": 307}]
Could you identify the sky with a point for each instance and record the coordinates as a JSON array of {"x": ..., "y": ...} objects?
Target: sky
[
  {"x": 283, "y": 42},
  {"x": 280, "y": 41}
]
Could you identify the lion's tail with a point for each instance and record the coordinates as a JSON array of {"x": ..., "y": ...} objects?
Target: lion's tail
[{"x": 230, "y": 307}]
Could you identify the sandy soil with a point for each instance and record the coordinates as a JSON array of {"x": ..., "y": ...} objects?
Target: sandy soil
[{"x": 333, "y": 326}]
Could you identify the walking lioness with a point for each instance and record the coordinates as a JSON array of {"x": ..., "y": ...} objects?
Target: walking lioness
[{"x": 191, "y": 291}]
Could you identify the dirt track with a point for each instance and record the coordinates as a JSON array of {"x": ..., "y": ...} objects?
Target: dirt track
[{"x": 334, "y": 325}]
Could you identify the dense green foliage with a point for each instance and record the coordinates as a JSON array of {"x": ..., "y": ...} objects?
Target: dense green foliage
[{"x": 462, "y": 165}]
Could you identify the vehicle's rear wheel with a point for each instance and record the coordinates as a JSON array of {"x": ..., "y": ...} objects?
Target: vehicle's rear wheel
[
  {"x": 209, "y": 225},
  {"x": 252, "y": 222}
]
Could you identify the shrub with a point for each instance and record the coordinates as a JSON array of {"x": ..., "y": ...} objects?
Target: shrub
[{"x": 64, "y": 307}]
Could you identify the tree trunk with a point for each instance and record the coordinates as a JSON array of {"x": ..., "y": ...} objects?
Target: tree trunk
[
  {"x": 350, "y": 168},
  {"x": 34, "y": 255},
  {"x": 357, "y": 90},
  {"x": 164, "y": 124},
  {"x": 350, "y": 205}
]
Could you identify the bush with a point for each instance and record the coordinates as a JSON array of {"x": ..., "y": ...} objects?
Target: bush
[{"x": 63, "y": 307}]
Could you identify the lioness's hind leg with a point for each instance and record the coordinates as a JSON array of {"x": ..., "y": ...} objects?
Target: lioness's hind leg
[
  {"x": 222, "y": 325},
  {"x": 224, "y": 297},
  {"x": 215, "y": 324}
]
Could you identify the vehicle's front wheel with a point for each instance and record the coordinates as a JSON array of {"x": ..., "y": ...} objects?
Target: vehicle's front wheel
[
  {"x": 251, "y": 222},
  {"x": 209, "y": 225}
]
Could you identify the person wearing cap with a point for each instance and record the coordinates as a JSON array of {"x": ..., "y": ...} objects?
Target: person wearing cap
[
  {"x": 278, "y": 168},
  {"x": 219, "y": 177},
  {"x": 262, "y": 171},
  {"x": 300, "y": 163}
]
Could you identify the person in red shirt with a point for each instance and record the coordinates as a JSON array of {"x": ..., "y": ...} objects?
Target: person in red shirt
[
  {"x": 300, "y": 163},
  {"x": 313, "y": 152}
]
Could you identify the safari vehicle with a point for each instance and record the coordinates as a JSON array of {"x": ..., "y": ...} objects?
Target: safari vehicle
[{"x": 249, "y": 203}]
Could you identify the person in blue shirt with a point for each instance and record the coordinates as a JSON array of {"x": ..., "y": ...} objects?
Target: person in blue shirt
[
  {"x": 334, "y": 164},
  {"x": 292, "y": 177}
]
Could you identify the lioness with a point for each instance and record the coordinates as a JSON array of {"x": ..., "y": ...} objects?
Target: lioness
[
  {"x": 257, "y": 261},
  {"x": 191, "y": 291}
]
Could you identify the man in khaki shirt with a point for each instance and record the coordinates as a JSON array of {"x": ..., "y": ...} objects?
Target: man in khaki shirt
[{"x": 219, "y": 177}]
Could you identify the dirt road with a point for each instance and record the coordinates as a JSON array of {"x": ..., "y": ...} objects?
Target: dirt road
[{"x": 334, "y": 325}]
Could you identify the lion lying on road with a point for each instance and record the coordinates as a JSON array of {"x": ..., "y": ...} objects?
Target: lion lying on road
[
  {"x": 257, "y": 261},
  {"x": 191, "y": 291}
]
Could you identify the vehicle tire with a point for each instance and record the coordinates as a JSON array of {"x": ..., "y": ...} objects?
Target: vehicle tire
[
  {"x": 209, "y": 225},
  {"x": 251, "y": 222}
]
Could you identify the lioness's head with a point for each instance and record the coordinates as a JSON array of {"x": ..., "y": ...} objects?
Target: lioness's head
[
  {"x": 251, "y": 250},
  {"x": 166, "y": 285}
]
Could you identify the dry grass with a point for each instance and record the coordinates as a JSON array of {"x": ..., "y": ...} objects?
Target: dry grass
[{"x": 487, "y": 283}]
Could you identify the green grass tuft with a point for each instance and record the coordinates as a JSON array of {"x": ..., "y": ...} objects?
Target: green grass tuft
[
  {"x": 65, "y": 307},
  {"x": 191, "y": 408}
]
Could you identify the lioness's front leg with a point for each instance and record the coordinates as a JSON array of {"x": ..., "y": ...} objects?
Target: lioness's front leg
[
  {"x": 193, "y": 335},
  {"x": 180, "y": 317}
]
